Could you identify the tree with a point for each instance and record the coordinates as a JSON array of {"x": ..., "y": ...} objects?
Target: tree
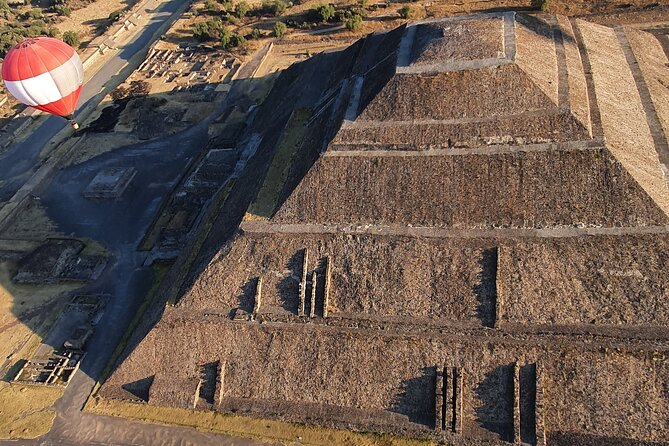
[
  {"x": 8, "y": 40},
  {"x": 119, "y": 93},
  {"x": 353, "y": 23},
  {"x": 280, "y": 29},
  {"x": 34, "y": 14},
  {"x": 211, "y": 5},
  {"x": 242, "y": 9},
  {"x": 227, "y": 17},
  {"x": 238, "y": 41},
  {"x": 71, "y": 38},
  {"x": 225, "y": 37},
  {"x": 405, "y": 11},
  {"x": 115, "y": 15},
  {"x": 256, "y": 34},
  {"x": 274, "y": 8},
  {"x": 226, "y": 5},
  {"x": 62, "y": 10},
  {"x": 210, "y": 30},
  {"x": 323, "y": 13},
  {"x": 201, "y": 31}
]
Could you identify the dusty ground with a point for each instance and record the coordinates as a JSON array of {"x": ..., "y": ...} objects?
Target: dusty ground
[
  {"x": 25, "y": 410},
  {"x": 90, "y": 20}
]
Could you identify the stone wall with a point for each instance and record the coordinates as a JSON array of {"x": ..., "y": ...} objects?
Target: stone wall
[{"x": 514, "y": 189}]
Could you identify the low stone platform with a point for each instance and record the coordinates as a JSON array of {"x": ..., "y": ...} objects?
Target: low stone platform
[{"x": 110, "y": 183}]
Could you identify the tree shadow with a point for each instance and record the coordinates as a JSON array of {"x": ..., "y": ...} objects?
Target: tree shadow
[
  {"x": 99, "y": 25},
  {"x": 417, "y": 399}
]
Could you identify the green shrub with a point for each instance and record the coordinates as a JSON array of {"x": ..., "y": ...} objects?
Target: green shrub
[
  {"x": 272, "y": 7},
  {"x": 211, "y": 5},
  {"x": 280, "y": 29},
  {"x": 238, "y": 41},
  {"x": 227, "y": 17},
  {"x": 544, "y": 5},
  {"x": 256, "y": 34},
  {"x": 71, "y": 38},
  {"x": 36, "y": 28},
  {"x": 405, "y": 11},
  {"x": 34, "y": 14},
  {"x": 225, "y": 37},
  {"x": 201, "y": 31},
  {"x": 353, "y": 23},
  {"x": 322, "y": 13},
  {"x": 8, "y": 39},
  {"x": 115, "y": 15},
  {"x": 62, "y": 10},
  {"x": 210, "y": 30},
  {"x": 242, "y": 9}
]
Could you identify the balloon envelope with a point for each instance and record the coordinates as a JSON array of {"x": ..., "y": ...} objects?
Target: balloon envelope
[{"x": 44, "y": 73}]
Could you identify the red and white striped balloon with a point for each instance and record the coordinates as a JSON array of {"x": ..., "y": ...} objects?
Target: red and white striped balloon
[{"x": 44, "y": 73}]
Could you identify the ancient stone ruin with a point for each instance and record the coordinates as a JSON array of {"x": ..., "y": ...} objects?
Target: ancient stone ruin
[{"x": 471, "y": 243}]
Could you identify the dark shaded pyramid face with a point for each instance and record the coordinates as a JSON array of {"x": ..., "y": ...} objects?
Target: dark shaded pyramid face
[{"x": 461, "y": 235}]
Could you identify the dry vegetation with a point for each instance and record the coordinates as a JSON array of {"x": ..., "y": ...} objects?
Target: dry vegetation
[
  {"x": 25, "y": 410},
  {"x": 267, "y": 430}
]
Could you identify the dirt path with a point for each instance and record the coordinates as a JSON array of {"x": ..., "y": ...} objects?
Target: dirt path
[{"x": 88, "y": 21}]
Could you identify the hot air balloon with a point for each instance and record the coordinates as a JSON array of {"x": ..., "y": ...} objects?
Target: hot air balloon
[{"x": 46, "y": 74}]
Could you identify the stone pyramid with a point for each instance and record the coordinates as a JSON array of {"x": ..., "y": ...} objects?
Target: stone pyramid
[{"x": 462, "y": 233}]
